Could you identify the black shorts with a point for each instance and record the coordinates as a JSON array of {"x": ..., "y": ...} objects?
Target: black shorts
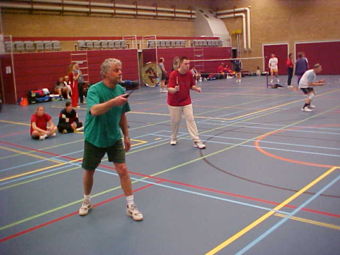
[
  {"x": 93, "y": 155},
  {"x": 306, "y": 91}
]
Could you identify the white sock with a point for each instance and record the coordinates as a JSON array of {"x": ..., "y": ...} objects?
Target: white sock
[
  {"x": 129, "y": 200},
  {"x": 87, "y": 197}
]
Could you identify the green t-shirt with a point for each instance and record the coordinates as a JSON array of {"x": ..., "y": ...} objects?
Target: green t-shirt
[{"x": 104, "y": 130}]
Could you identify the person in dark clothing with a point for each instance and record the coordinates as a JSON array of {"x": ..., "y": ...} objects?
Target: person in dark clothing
[
  {"x": 68, "y": 120},
  {"x": 301, "y": 66},
  {"x": 290, "y": 67}
]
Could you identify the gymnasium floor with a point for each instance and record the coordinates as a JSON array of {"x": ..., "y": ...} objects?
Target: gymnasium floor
[{"x": 268, "y": 182}]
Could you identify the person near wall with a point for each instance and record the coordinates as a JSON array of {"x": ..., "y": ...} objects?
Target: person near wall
[
  {"x": 163, "y": 88},
  {"x": 220, "y": 71},
  {"x": 196, "y": 74},
  {"x": 81, "y": 83},
  {"x": 238, "y": 67},
  {"x": 73, "y": 77},
  {"x": 290, "y": 68},
  {"x": 42, "y": 125},
  {"x": 67, "y": 84},
  {"x": 69, "y": 120},
  {"x": 301, "y": 66},
  {"x": 273, "y": 65},
  {"x": 60, "y": 88}
]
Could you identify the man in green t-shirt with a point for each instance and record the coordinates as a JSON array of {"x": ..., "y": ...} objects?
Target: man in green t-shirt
[{"x": 104, "y": 125}]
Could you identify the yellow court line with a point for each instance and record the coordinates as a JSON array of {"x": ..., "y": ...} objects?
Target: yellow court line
[
  {"x": 46, "y": 168},
  {"x": 38, "y": 170},
  {"x": 15, "y": 122},
  {"x": 270, "y": 213},
  {"x": 44, "y": 148},
  {"x": 313, "y": 222},
  {"x": 28, "y": 154}
]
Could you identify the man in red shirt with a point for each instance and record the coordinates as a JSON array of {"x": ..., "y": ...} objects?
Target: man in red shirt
[
  {"x": 179, "y": 102},
  {"x": 42, "y": 125}
]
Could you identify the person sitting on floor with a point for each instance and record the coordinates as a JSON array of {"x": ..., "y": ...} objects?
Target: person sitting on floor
[
  {"x": 67, "y": 84},
  {"x": 68, "y": 120},
  {"x": 42, "y": 125},
  {"x": 60, "y": 87},
  {"x": 220, "y": 71},
  {"x": 228, "y": 70}
]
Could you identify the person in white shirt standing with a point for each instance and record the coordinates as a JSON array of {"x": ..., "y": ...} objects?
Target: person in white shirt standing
[
  {"x": 273, "y": 65},
  {"x": 306, "y": 84}
]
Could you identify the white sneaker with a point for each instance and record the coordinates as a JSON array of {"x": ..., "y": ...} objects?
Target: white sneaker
[
  {"x": 42, "y": 137},
  {"x": 85, "y": 207},
  {"x": 133, "y": 212},
  {"x": 199, "y": 145},
  {"x": 312, "y": 106},
  {"x": 54, "y": 134},
  {"x": 80, "y": 129},
  {"x": 306, "y": 109},
  {"x": 173, "y": 142}
]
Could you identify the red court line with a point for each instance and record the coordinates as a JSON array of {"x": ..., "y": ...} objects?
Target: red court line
[
  {"x": 67, "y": 216},
  {"x": 258, "y": 147},
  {"x": 192, "y": 186}
]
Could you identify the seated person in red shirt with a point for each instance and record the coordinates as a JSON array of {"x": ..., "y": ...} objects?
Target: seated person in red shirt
[
  {"x": 228, "y": 70},
  {"x": 42, "y": 125},
  {"x": 68, "y": 120},
  {"x": 220, "y": 71}
]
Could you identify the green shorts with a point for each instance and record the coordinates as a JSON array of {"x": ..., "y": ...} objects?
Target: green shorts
[{"x": 93, "y": 155}]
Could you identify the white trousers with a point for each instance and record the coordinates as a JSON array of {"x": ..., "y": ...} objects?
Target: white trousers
[{"x": 176, "y": 116}]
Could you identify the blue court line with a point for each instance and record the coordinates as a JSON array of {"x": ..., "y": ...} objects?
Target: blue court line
[
  {"x": 271, "y": 148},
  {"x": 272, "y": 142},
  {"x": 279, "y": 125},
  {"x": 278, "y": 224},
  {"x": 196, "y": 193},
  {"x": 242, "y": 139},
  {"x": 220, "y": 122},
  {"x": 67, "y": 154},
  {"x": 259, "y": 107},
  {"x": 37, "y": 161}
]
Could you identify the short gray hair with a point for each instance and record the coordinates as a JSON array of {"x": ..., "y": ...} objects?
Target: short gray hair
[{"x": 107, "y": 64}]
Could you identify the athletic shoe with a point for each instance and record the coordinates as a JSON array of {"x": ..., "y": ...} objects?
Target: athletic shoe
[
  {"x": 42, "y": 137},
  {"x": 64, "y": 131},
  {"x": 54, "y": 134},
  {"x": 311, "y": 106},
  {"x": 173, "y": 142},
  {"x": 85, "y": 207},
  {"x": 133, "y": 212},
  {"x": 80, "y": 129},
  {"x": 199, "y": 145},
  {"x": 306, "y": 109}
]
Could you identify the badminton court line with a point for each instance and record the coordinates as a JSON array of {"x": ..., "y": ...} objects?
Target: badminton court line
[{"x": 264, "y": 217}]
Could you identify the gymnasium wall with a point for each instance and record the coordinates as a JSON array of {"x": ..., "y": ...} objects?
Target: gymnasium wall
[
  {"x": 208, "y": 53},
  {"x": 47, "y": 24},
  {"x": 286, "y": 21},
  {"x": 42, "y": 70}
]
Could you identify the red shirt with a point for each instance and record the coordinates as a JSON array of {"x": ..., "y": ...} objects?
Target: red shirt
[
  {"x": 40, "y": 121},
  {"x": 185, "y": 83},
  {"x": 220, "y": 69},
  {"x": 289, "y": 63}
]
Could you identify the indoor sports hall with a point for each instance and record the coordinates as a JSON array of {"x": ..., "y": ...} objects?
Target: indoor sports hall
[{"x": 253, "y": 168}]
